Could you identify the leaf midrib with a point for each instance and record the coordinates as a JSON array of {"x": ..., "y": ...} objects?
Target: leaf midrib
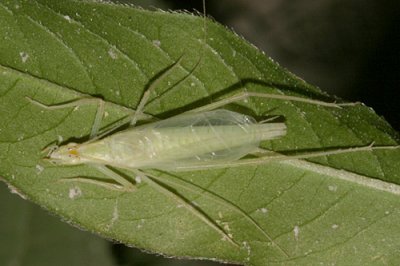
[{"x": 345, "y": 175}]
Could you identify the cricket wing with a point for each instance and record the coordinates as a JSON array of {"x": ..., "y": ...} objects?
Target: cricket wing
[{"x": 218, "y": 135}]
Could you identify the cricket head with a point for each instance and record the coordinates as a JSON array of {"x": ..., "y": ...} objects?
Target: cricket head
[{"x": 65, "y": 154}]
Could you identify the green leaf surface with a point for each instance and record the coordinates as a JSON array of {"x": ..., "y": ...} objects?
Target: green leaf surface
[
  {"x": 29, "y": 236},
  {"x": 341, "y": 209}
]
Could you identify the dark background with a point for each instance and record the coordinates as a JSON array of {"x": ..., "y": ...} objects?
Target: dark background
[{"x": 349, "y": 48}]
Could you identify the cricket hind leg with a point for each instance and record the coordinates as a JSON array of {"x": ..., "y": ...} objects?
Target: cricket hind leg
[
  {"x": 270, "y": 156},
  {"x": 219, "y": 200},
  {"x": 154, "y": 182}
]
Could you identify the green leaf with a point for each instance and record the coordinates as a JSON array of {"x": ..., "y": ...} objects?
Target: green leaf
[
  {"x": 29, "y": 236},
  {"x": 341, "y": 209}
]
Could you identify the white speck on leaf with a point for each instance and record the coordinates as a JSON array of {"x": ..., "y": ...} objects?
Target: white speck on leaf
[
  {"x": 335, "y": 226},
  {"x": 114, "y": 218},
  {"x": 39, "y": 169},
  {"x": 308, "y": 252},
  {"x": 68, "y": 18},
  {"x": 248, "y": 248},
  {"x": 24, "y": 57},
  {"x": 332, "y": 188},
  {"x": 74, "y": 192},
  {"x": 296, "y": 231},
  {"x": 157, "y": 43},
  {"x": 225, "y": 238},
  {"x": 112, "y": 53},
  {"x": 140, "y": 225},
  {"x": 226, "y": 227},
  {"x": 138, "y": 179}
]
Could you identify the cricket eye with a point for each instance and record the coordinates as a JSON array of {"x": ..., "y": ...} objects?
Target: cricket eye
[{"x": 72, "y": 152}]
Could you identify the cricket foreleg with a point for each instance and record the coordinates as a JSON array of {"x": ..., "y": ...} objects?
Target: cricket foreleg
[
  {"x": 121, "y": 183},
  {"x": 76, "y": 103},
  {"x": 187, "y": 205},
  {"x": 92, "y": 181},
  {"x": 129, "y": 186},
  {"x": 245, "y": 95}
]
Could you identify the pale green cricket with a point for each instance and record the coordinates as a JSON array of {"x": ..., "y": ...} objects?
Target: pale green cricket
[{"x": 200, "y": 139}]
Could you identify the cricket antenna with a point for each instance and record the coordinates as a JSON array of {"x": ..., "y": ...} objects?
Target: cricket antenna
[
  {"x": 204, "y": 21},
  {"x": 204, "y": 41},
  {"x": 203, "y": 50}
]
